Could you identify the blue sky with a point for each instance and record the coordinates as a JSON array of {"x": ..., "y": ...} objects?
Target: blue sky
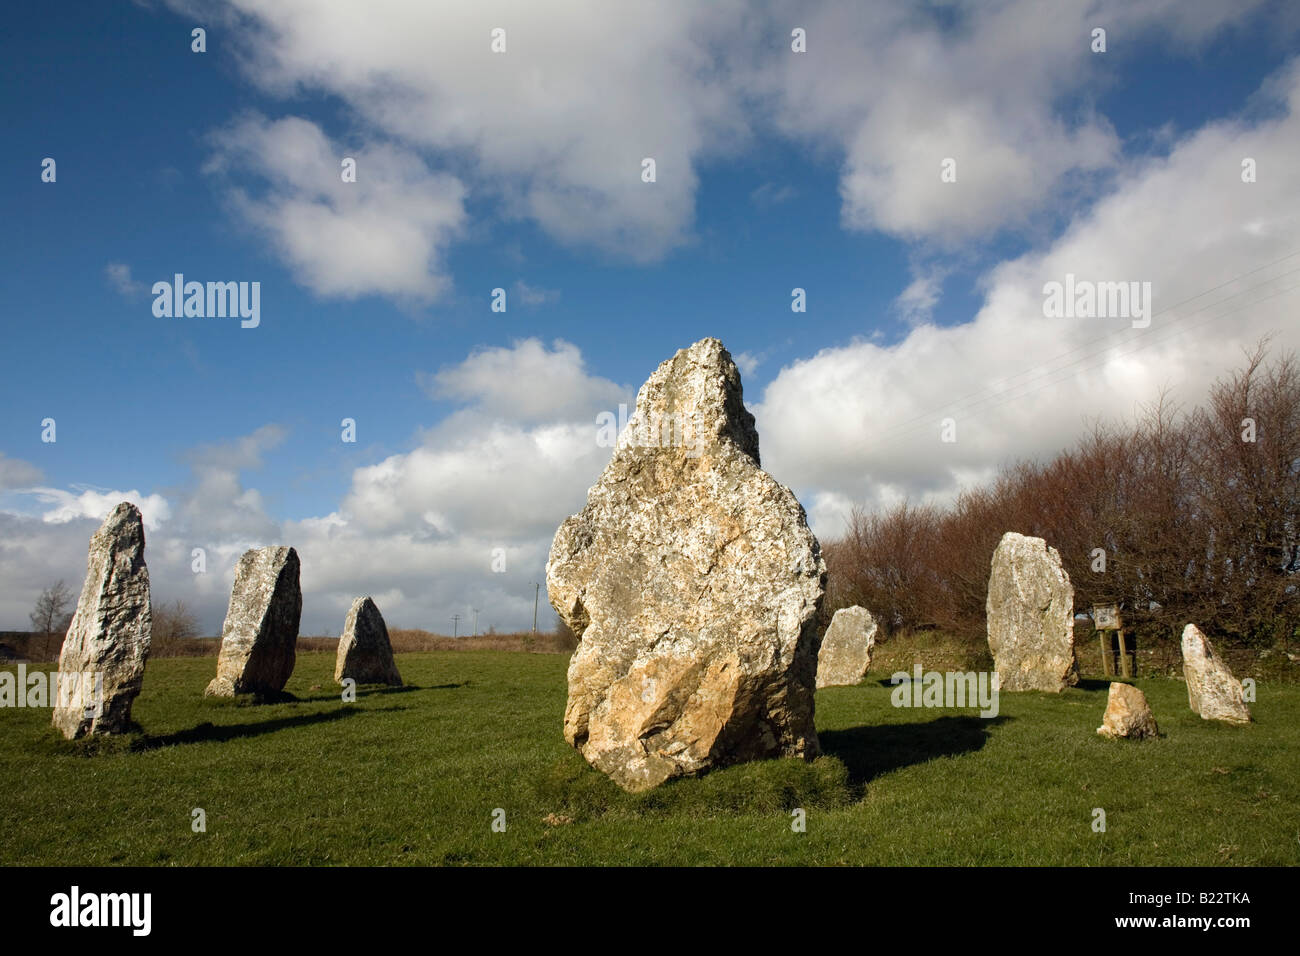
[{"x": 775, "y": 172}]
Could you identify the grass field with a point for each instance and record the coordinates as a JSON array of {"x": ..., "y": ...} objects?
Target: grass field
[{"x": 413, "y": 776}]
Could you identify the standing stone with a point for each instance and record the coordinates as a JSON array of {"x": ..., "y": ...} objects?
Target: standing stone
[
  {"x": 1031, "y": 616},
  {"x": 846, "y": 648},
  {"x": 1127, "y": 714},
  {"x": 261, "y": 629},
  {"x": 365, "y": 654},
  {"x": 1212, "y": 691},
  {"x": 694, "y": 581},
  {"x": 110, "y": 632}
]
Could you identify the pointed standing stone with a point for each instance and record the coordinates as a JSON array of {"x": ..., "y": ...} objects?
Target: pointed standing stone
[
  {"x": 846, "y": 648},
  {"x": 1031, "y": 616},
  {"x": 365, "y": 654},
  {"x": 260, "y": 635},
  {"x": 693, "y": 581},
  {"x": 1212, "y": 691},
  {"x": 1127, "y": 714},
  {"x": 110, "y": 632}
]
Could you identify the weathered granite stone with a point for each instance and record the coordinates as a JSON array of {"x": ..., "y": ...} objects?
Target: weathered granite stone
[
  {"x": 365, "y": 654},
  {"x": 260, "y": 635},
  {"x": 846, "y": 648},
  {"x": 1127, "y": 714},
  {"x": 1212, "y": 691},
  {"x": 693, "y": 580},
  {"x": 110, "y": 632},
  {"x": 1031, "y": 616}
]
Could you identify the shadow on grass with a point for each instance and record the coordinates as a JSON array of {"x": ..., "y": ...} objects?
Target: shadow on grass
[
  {"x": 373, "y": 690},
  {"x": 208, "y": 732},
  {"x": 868, "y": 752},
  {"x": 1096, "y": 683}
]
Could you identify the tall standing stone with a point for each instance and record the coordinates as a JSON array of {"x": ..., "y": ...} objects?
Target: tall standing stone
[
  {"x": 110, "y": 632},
  {"x": 845, "y": 654},
  {"x": 1212, "y": 691},
  {"x": 365, "y": 654},
  {"x": 260, "y": 635},
  {"x": 1031, "y": 616},
  {"x": 693, "y": 580}
]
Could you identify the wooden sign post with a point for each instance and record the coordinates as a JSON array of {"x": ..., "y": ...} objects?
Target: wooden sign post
[{"x": 1105, "y": 618}]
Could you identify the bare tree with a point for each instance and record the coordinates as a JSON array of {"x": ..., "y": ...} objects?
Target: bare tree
[
  {"x": 1177, "y": 516},
  {"x": 173, "y": 621},
  {"x": 51, "y": 616}
]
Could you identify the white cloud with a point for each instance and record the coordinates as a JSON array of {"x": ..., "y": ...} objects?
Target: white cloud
[
  {"x": 386, "y": 233},
  {"x": 419, "y": 528},
  {"x": 916, "y": 303},
  {"x": 527, "y": 383},
  {"x": 555, "y": 128},
  {"x": 898, "y": 88},
  {"x": 500, "y": 473},
  {"x": 534, "y": 295},
  {"x": 64, "y": 506},
  {"x": 747, "y": 362},
  {"x": 15, "y": 473},
  {"x": 48, "y": 530},
  {"x": 119, "y": 277},
  {"x": 862, "y": 422}
]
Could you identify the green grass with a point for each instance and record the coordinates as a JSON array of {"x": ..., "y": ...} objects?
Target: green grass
[{"x": 412, "y": 776}]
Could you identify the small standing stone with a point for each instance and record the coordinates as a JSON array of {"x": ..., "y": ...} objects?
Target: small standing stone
[
  {"x": 1127, "y": 714},
  {"x": 1031, "y": 616},
  {"x": 1212, "y": 691},
  {"x": 259, "y": 638},
  {"x": 365, "y": 654},
  {"x": 846, "y": 648},
  {"x": 110, "y": 632}
]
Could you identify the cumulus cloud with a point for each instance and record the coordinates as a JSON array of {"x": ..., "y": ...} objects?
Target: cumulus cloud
[
  {"x": 1003, "y": 89},
  {"x": 215, "y": 507},
  {"x": 555, "y": 128},
  {"x": 463, "y": 519},
  {"x": 119, "y": 277},
  {"x": 861, "y": 422},
  {"x": 15, "y": 473},
  {"x": 915, "y": 304},
  {"x": 47, "y": 529},
  {"x": 526, "y": 382},
  {"x": 63, "y": 506},
  {"x": 386, "y": 233}
]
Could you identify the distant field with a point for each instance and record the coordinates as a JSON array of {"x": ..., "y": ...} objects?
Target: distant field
[
  {"x": 24, "y": 646},
  {"x": 413, "y": 776}
]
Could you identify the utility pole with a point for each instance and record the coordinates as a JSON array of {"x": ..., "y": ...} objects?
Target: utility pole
[
  {"x": 455, "y": 624},
  {"x": 476, "y": 622},
  {"x": 537, "y": 589}
]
